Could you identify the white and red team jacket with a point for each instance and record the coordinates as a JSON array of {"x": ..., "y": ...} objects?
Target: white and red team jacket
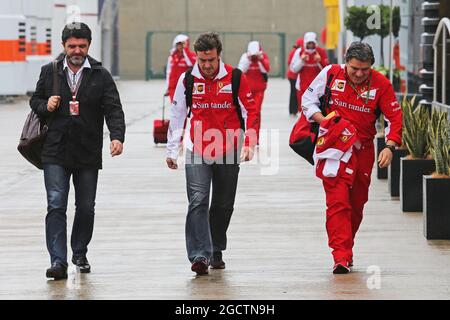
[
  {"x": 178, "y": 64},
  {"x": 334, "y": 148},
  {"x": 254, "y": 70},
  {"x": 213, "y": 112},
  {"x": 307, "y": 70},
  {"x": 353, "y": 107}
]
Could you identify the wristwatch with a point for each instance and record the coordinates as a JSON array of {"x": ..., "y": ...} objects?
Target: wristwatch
[{"x": 390, "y": 147}]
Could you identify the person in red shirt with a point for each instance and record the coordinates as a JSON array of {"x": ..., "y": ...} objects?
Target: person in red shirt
[
  {"x": 212, "y": 155},
  {"x": 180, "y": 60},
  {"x": 256, "y": 66},
  {"x": 308, "y": 61},
  {"x": 359, "y": 94},
  {"x": 292, "y": 77}
]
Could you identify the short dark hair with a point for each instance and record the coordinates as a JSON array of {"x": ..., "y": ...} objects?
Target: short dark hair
[
  {"x": 77, "y": 30},
  {"x": 360, "y": 51},
  {"x": 208, "y": 41}
]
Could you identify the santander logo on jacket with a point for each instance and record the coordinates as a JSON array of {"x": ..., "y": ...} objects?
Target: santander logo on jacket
[
  {"x": 359, "y": 106},
  {"x": 214, "y": 127}
]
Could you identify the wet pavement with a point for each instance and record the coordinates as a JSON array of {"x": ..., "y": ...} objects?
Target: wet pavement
[{"x": 277, "y": 246}]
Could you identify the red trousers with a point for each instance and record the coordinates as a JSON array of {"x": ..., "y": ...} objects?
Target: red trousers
[
  {"x": 259, "y": 97},
  {"x": 299, "y": 99},
  {"x": 345, "y": 204}
]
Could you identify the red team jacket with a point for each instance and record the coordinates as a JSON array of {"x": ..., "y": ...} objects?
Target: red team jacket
[
  {"x": 212, "y": 112},
  {"x": 353, "y": 107},
  {"x": 289, "y": 73},
  {"x": 254, "y": 71},
  {"x": 178, "y": 64},
  {"x": 309, "y": 69}
]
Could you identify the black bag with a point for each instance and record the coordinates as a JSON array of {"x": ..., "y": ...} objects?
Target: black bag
[
  {"x": 304, "y": 134},
  {"x": 35, "y": 130}
]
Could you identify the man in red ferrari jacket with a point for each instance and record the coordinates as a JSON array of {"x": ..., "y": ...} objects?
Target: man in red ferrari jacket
[
  {"x": 212, "y": 155},
  {"x": 256, "y": 66},
  {"x": 292, "y": 77},
  {"x": 307, "y": 62},
  {"x": 359, "y": 94},
  {"x": 180, "y": 60}
]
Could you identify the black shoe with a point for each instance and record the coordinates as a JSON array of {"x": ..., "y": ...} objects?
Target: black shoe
[
  {"x": 82, "y": 264},
  {"x": 341, "y": 268},
  {"x": 57, "y": 271},
  {"x": 216, "y": 261},
  {"x": 200, "y": 266}
]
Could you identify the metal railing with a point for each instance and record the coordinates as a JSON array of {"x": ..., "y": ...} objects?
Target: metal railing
[{"x": 443, "y": 30}]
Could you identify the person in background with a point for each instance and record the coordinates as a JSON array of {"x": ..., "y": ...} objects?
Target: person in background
[
  {"x": 180, "y": 60},
  {"x": 307, "y": 62},
  {"x": 292, "y": 77},
  {"x": 256, "y": 66}
]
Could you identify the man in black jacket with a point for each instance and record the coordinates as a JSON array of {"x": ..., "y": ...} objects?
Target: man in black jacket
[{"x": 73, "y": 147}]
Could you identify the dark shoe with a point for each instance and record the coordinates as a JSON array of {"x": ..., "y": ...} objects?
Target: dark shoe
[
  {"x": 82, "y": 264},
  {"x": 341, "y": 268},
  {"x": 216, "y": 261},
  {"x": 57, "y": 271},
  {"x": 200, "y": 266}
]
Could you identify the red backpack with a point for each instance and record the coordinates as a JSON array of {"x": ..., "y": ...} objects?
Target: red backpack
[{"x": 303, "y": 137}]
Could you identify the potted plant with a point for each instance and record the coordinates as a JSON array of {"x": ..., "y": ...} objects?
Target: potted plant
[
  {"x": 394, "y": 167},
  {"x": 418, "y": 162},
  {"x": 356, "y": 21},
  {"x": 436, "y": 187}
]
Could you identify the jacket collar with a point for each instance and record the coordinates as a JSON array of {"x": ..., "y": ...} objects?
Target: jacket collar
[
  {"x": 222, "y": 71},
  {"x": 86, "y": 64}
]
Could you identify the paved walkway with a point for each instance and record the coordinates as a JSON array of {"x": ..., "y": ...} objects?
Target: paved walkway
[{"x": 277, "y": 240}]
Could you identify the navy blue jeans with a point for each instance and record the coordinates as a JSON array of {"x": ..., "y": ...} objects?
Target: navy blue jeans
[
  {"x": 206, "y": 225},
  {"x": 57, "y": 185}
]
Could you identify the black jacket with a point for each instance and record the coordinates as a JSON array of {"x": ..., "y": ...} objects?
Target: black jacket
[{"x": 77, "y": 141}]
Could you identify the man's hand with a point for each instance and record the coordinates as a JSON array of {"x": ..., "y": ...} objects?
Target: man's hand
[
  {"x": 53, "y": 103},
  {"x": 318, "y": 117},
  {"x": 172, "y": 163},
  {"x": 385, "y": 158},
  {"x": 317, "y": 57},
  {"x": 116, "y": 148},
  {"x": 304, "y": 56},
  {"x": 247, "y": 154}
]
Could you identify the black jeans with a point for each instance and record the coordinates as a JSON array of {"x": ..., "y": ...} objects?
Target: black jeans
[
  {"x": 206, "y": 226},
  {"x": 293, "y": 101},
  {"x": 57, "y": 185}
]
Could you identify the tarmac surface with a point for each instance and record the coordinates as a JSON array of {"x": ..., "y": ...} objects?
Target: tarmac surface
[{"x": 277, "y": 243}]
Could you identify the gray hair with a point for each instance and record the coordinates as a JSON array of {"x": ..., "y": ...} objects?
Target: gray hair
[{"x": 360, "y": 51}]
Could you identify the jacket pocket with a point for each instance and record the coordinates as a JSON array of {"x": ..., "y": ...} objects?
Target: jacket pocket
[{"x": 53, "y": 143}]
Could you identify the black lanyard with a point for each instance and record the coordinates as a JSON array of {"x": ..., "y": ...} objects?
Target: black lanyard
[{"x": 356, "y": 90}]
